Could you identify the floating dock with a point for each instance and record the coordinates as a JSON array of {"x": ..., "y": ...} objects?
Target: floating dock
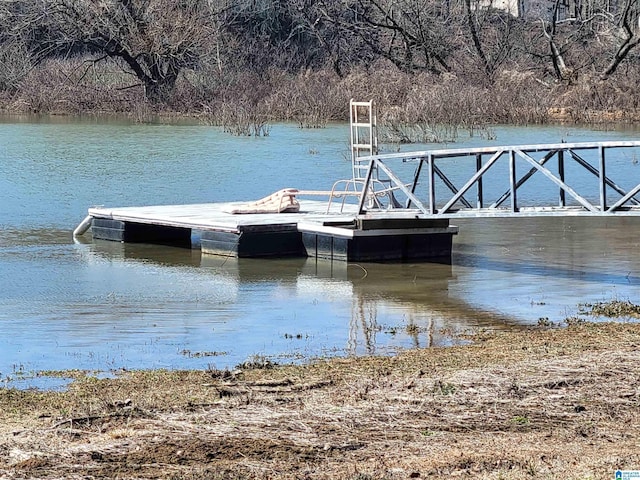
[
  {"x": 314, "y": 231},
  {"x": 334, "y": 229},
  {"x": 401, "y": 214}
]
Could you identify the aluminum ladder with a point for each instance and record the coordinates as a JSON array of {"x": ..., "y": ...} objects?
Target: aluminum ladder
[{"x": 364, "y": 137}]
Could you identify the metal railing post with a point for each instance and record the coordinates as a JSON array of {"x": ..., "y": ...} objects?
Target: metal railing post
[
  {"x": 432, "y": 187},
  {"x": 603, "y": 178},
  {"x": 512, "y": 180},
  {"x": 480, "y": 200},
  {"x": 563, "y": 199}
]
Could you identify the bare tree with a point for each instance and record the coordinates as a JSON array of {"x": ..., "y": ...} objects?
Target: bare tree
[
  {"x": 493, "y": 35},
  {"x": 626, "y": 33},
  {"x": 557, "y": 51},
  {"x": 155, "y": 40},
  {"x": 15, "y": 58},
  {"x": 331, "y": 26},
  {"x": 413, "y": 34},
  {"x": 266, "y": 34},
  {"x": 293, "y": 34},
  {"x": 595, "y": 35}
]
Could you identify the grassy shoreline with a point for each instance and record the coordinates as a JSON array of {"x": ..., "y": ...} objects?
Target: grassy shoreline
[{"x": 541, "y": 403}]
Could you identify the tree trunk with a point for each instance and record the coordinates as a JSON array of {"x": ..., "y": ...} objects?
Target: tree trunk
[
  {"x": 620, "y": 55},
  {"x": 631, "y": 37},
  {"x": 160, "y": 90}
]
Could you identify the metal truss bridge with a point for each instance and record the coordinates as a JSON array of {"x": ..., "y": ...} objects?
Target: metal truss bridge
[{"x": 592, "y": 178}]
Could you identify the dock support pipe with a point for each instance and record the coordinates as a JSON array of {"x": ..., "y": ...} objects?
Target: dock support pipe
[{"x": 83, "y": 227}]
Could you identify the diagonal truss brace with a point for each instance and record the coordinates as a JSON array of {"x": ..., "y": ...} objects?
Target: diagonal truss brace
[
  {"x": 547, "y": 173},
  {"x": 590, "y": 168},
  {"x": 377, "y": 164},
  {"x": 465, "y": 188},
  {"x": 522, "y": 180}
]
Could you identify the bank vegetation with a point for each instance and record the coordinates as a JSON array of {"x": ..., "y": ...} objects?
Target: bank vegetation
[{"x": 459, "y": 63}]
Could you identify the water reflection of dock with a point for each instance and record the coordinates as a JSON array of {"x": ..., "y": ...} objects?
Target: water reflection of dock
[
  {"x": 431, "y": 316},
  {"x": 389, "y": 304}
]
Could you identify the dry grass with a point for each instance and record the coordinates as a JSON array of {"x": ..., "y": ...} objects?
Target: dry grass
[{"x": 543, "y": 403}]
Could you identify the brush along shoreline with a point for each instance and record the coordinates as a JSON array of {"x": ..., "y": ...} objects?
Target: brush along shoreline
[{"x": 546, "y": 402}]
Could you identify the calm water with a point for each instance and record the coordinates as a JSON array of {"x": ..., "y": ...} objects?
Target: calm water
[{"x": 106, "y": 306}]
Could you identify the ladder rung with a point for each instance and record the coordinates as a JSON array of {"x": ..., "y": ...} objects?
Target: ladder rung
[{"x": 363, "y": 125}]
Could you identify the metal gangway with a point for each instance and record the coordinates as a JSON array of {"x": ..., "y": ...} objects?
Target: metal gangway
[{"x": 590, "y": 178}]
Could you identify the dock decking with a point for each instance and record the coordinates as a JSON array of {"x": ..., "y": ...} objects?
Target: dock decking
[
  {"x": 215, "y": 216},
  {"x": 339, "y": 234}
]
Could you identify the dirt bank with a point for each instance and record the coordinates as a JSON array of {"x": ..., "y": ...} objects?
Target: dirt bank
[{"x": 544, "y": 403}]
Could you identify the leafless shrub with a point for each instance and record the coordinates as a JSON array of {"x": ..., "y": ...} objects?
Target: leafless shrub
[
  {"x": 77, "y": 86},
  {"x": 15, "y": 64},
  {"x": 396, "y": 126},
  {"x": 243, "y": 120},
  {"x": 518, "y": 98},
  {"x": 435, "y": 110},
  {"x": 193, "y": 93},
  {"x": 412, "y": 107},
  {"x": 383, "y": 82},
  {"x": 311, "y": 99},
  {"x": 595, "y": 101},
  {"x": 41, "y": 89},
  {"x": 439, "y": 108}
]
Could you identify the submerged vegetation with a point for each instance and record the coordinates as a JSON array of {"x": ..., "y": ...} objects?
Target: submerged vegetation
[
  {"x": 611, "y": 309},
  {"x": 433, "y": 67}
]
